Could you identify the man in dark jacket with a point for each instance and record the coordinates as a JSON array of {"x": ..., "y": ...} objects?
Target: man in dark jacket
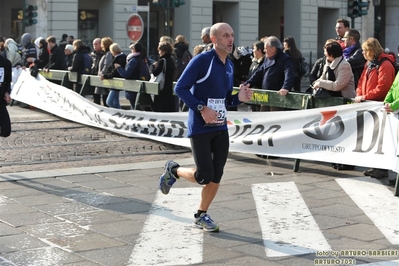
[
  {"x": 276, "y": 73},
  {"x": 56, "y": 60},
  {"x": 29, "y": 49},
  {"x": 353, "y": 53},
  {"x": 96, "y": 55},
  {"x": 5, "y": 89}
]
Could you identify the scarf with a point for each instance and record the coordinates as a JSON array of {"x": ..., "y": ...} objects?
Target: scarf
[
  {"x": 131, "y": 55},
  {"x": 348, "y": 50}
]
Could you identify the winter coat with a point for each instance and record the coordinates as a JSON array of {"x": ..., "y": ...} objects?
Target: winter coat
[
  {"x": 376, "y": 81},
  {"x": 344, "y": 81},
  {"x": 393, "y": 95},
  {"x": 12, "y": 52},
  {"x": 274, "y": 74},
  {"x": 111, "y": 72}
]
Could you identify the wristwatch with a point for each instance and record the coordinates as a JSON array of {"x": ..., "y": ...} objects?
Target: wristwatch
[{"x": 200, "y": 107}]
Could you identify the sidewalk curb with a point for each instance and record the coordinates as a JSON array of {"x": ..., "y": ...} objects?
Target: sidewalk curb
[{"x": 88, "y": 170}]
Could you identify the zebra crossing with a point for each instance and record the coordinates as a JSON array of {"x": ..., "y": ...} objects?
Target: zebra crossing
[{"x": 288, "y": 227}]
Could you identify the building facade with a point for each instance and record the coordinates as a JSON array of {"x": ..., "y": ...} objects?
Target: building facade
[{"x": 310, "y": 22}]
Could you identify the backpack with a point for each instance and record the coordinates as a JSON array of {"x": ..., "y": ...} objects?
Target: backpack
[
  {"x": 395, "y": 64},
  {"x": 303, "y": 67},
  {"x": 86, "y": 63},
  {"x": 182, "y": 62}
]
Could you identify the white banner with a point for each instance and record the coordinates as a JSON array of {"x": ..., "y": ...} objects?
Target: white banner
[{"x": 356, "y": 134}]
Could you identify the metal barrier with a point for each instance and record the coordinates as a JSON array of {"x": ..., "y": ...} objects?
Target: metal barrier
[{"x": 144, "y": 89}]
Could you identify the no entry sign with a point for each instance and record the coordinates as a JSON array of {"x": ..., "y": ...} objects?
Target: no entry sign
[{"x": 135, "y": 27}]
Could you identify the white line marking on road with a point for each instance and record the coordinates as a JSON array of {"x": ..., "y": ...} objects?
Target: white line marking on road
[
  {"x": 169, "y": 236},
  {"x": 377, "y": 202},
  {"x": 288, "y": 227}
]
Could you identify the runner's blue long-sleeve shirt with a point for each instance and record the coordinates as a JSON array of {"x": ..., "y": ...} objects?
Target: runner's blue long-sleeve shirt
[{"x": 206, "y": 76}]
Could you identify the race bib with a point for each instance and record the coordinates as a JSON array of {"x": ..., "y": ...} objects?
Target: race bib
[{"x": 219, "y": 106}]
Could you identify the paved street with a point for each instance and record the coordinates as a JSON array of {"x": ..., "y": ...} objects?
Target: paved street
[{"x": 74, "y": 195}]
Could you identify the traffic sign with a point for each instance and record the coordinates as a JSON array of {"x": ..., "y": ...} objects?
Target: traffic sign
[{"x": 135, "y": 27}]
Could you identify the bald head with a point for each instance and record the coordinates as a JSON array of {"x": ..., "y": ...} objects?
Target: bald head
[{"x": 222, "y": 36}]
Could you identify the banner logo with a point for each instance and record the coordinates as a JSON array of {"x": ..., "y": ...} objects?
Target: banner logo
[{"x": 326, "y": 127}]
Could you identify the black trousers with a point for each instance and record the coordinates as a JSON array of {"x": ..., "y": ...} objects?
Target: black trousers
[{"x": 5, "y": 122}]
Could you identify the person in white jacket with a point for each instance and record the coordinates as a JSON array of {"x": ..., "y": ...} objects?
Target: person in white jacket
[{"x": 12, "y": 52}]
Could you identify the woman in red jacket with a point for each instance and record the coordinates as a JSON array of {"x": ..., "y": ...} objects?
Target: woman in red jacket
[
  {"x": 375, "y": 82},
  {"x": 378, "y": 74}
]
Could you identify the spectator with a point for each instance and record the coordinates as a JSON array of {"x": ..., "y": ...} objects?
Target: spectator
[
  {"x": 341, "y": 84},
  {"x": 70, "y": 39},
  {"x": 12, "y": 52},
  {"x": 391, "y": 103},
  {"x": 337, "y": 78},
  {"x": 56, "y": 60},
  {"x": 43, "y": 58},
  {"x": 353, "y": 53},
  {"x": 165, "y": 100},
  {"x": 378, "y": 73},
  {"x": 375, "y": 82},
  {"x": 318, "y": 66},
  {"x": 291, "y": 49},
  {"x": 96, "y": 55},
  {"x": 68, "y": 56},
  {"x": 2, "y": 47},
  {"x": 341, "y": 26},
  {"x": 182, "y": 53},
  {"x": 81, "y": 52},
  {"x": 258, "y": 59},
  {"x": 5, "y": 90},
  {"x": 37, "y": 45},
  {"x": 136, "y": 59},
  {"x": 276, "y": 73},
  {"x": 112, "y": 72},
  {"x": 29, "y": 49},
  {"x": 105, "y": 62},
  {"x": 206, "y": 38},
  {"x": 62, "y": 44}
]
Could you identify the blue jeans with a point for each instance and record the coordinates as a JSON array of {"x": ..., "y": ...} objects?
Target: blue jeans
[{"x": 113, "y": 99}]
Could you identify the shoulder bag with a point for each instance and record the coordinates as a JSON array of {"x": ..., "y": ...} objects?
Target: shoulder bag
[{"x": 161, "y": 76}]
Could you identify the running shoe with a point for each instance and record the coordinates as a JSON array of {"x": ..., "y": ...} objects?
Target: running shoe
[
  {"x": 167, "y": 179},
  {"x": 205, "y": 222}
]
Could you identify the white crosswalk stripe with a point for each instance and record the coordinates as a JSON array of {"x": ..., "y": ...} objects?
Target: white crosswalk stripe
[
  {"x": 169, "y": 236},
  {"x": 288, "y": 227},
  {"x": 370, "y": 196}
]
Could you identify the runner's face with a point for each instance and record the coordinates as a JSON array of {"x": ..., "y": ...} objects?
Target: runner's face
[{"x": 224, "y": 39}]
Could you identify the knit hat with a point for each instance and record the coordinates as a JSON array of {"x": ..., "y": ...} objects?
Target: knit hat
[{"x": 69, "y": 47}]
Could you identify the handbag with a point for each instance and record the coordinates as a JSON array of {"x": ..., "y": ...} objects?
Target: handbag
[
  {"x": 324, "y": 93},
  {"x": 161, "y": 76},
  {"x": 33, "y": 70}
]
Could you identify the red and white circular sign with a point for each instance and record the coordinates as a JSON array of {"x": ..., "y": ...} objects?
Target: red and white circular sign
[{"x": 135, "y": 27}]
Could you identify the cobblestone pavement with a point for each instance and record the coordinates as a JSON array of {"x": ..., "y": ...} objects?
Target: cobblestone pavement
[{"x": 41, "y": 141}]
